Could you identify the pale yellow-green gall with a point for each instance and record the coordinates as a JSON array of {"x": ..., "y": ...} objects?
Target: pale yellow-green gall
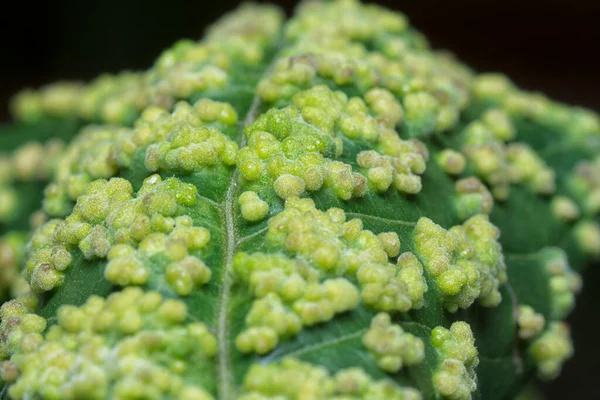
[
  {"x": 587, "y": 234},
  {"x": 500, "y": 124},
  {"x": 530, "y": 322},
  {"x": 391, "y": 346},
  {"x": 524, "y": 165},
  {"x": 298, "y": 143},
  {"x": 12, "y": 254},
  {"x": 411, "y": 272},
  {"x": 576, "y": 123},
  {"x": 385, "y": 106},
  {"x": 455, "y": 377},
  {"x": 252, "y": 207},
  {"x": 563, "y": 281},
  {"x": 390, "y": 242},
  {"x": 499, "y": 164},
  {"x": 34, "y": 160},
  {"x": 491, "y": 86},
  {"x": 452, "y": 161},
  {"x": 8, "y": 202},
  {"x": 420, "y": 109},
  {"x": 259, "y": 340},
  {"x": 288, "y": 186},
  {"x": 552, "y": 349},
  {"x": 487, "y": 156},
  {"x": 473, "y": 197},
  {"x": 565, "y": 209},
  {"x": 321, "y": 302},
  {"x": 187, "y": 68},
  {"x": 585, "y": 183},
  {"x": 31, "y": 162}
]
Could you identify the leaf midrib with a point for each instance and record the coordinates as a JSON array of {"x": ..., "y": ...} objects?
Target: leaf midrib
[{"x": 225, "y": 384}]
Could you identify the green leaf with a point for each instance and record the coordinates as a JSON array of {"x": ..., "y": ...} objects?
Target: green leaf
[{"x": 292, "y": 93}]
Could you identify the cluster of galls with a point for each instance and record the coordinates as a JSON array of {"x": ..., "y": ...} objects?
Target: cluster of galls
[
  {"x": 108, "y": 221},
  {"x": 12, "y": 257},
  {"x": 472, "y": 198},
  {"x": 552, "y": 349},
  {"x": 585, "y": 182},
  {"x": 431, "y": 87},
  {"x": 184, "y": 71},
  {"x": 319, "y": 264},
  {"x": 294, "y": 156},
  {"x": 456, "y": 377},
  {"x": 391, "y": 346},
  {"x": 133, "y": 344},
  {"x": 336, "y": 247},
  {"x": 298, "y": 303},
  {"x": 311, "y": 284},
  {"x": 187, "y": 140},
  {"x": 500, "y": 164},
  {"x": 466, "y": 261},
  {"x": 575, "y": 123},
  {"x": 32, "y": 161},
  {"x": 181, "y": 141},
  {"x": 90, "y": 156},
  {"x": 563, "y": 281},
  {"x": 290, "y": 296},
  {"x": 293, "y": 379}
]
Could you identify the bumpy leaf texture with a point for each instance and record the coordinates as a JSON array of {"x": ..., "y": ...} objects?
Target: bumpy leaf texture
[{"x": 315, "y": 208}]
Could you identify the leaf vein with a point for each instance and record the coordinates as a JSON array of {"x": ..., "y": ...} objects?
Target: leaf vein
[
  {"x": 326, "y": 343},
  {"x": 381, "y": 219}
]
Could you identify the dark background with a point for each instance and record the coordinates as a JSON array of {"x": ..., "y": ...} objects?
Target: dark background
[{"x": 551, "y": 46}]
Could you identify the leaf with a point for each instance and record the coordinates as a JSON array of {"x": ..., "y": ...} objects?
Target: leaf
[{"x": 265, "y": 81}]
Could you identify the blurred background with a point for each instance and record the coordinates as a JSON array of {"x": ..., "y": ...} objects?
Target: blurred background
[{"x": 546, "y": 45}]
